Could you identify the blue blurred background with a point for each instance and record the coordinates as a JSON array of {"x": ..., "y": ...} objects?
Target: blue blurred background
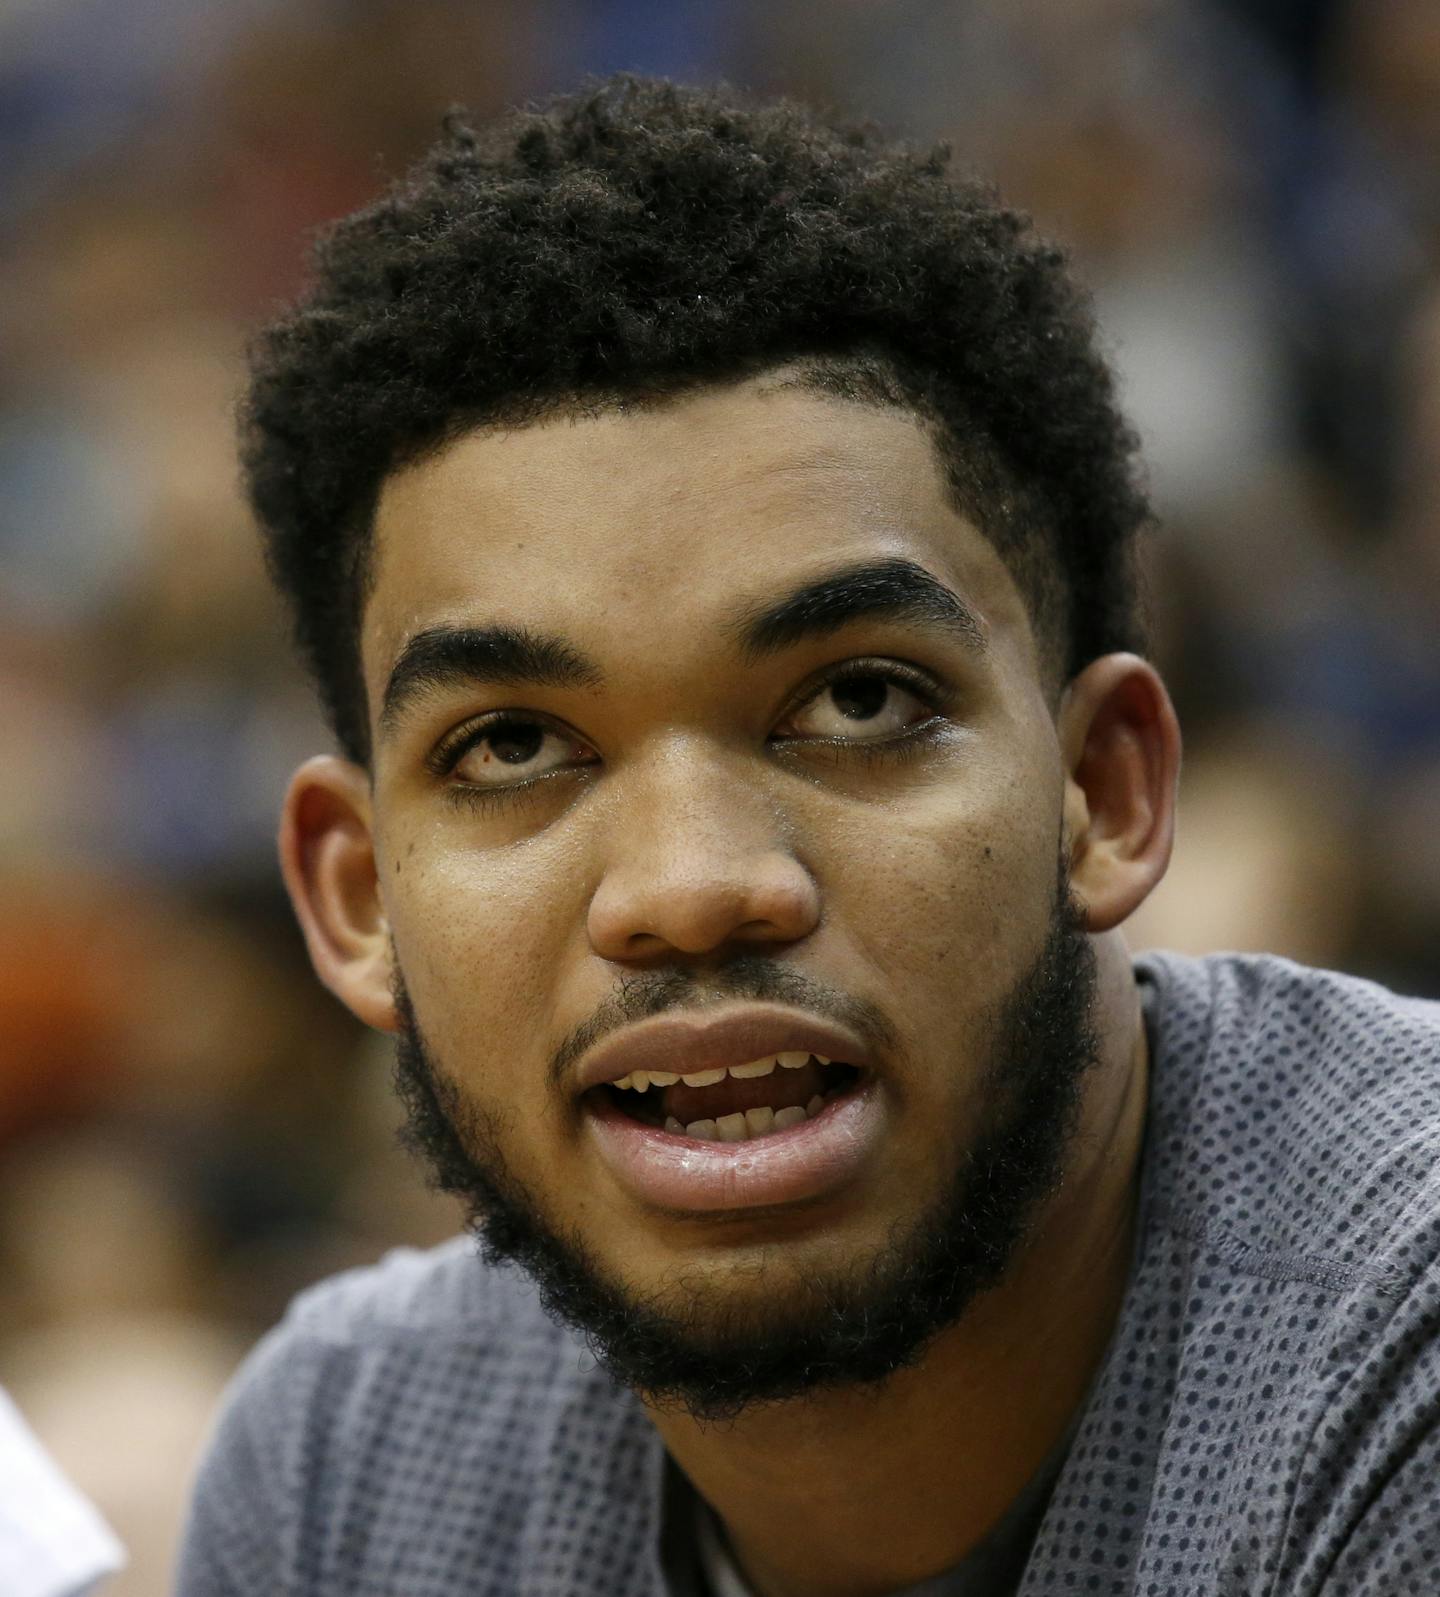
[{"x": 189, "y": 1128}]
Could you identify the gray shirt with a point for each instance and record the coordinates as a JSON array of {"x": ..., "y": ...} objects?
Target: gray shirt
[{"x": 1265, "y": 1423}]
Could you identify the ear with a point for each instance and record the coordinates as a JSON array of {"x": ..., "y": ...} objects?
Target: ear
[
  {"x": 327, "y": 856},
  {"x": 1121, "y": 745}
]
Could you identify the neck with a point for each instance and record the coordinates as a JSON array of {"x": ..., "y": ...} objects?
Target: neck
[{"x": 852, "y": 1494}]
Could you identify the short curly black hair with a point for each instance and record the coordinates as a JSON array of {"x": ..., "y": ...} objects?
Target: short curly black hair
[{"x": 638, "y": 239}]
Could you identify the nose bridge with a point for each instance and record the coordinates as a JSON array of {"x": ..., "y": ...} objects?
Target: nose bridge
[
  {"x": 696, "y": 782},
  {"x": 689, "y": 809},
  {"x": 697, "y": 852}
]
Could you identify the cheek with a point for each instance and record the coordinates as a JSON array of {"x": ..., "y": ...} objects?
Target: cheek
[
  {"x": 479, "y": 936},
  {"x": 950, "y": 894}
]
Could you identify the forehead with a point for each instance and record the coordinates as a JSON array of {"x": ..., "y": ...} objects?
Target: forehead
[{"x": 655, "y": 521}]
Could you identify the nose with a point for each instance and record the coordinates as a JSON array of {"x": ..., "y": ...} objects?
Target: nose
[{"x": 698, "y": 862}]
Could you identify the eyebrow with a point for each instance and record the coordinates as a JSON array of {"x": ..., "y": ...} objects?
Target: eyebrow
[
  {"x": 881, "y": 590},
  {"x": 445, "y": 656},
  {"x": 885, "y": 590}
]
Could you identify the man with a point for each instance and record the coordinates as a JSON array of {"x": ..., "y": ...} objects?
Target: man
[{"x": 712, "y": 534}]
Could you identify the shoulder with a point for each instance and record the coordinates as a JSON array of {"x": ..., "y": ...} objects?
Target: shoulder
[
  {"x": 430, "y": 1376},
  {"x": 447, "y": 1292},
  {"x": 1297, "y": 1112},
  {"x": 441, "y": 1327},
  {"x": 1270, "y": 1405}
]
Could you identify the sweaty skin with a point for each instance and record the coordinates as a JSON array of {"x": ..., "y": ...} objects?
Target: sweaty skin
[{"x": 697, "y": 804}]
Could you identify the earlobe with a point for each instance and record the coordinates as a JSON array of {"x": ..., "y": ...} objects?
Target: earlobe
[
  {"x": 1121, "y": 744},
  {"x": 327, "y": 856}
]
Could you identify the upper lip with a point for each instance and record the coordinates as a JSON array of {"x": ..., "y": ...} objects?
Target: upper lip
[{"x": 684, "y": 1044}]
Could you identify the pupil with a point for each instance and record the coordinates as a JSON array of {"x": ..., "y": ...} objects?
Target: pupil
[
  {"x": 515, "y": 742},
  {"x": 861, "y": 697}
]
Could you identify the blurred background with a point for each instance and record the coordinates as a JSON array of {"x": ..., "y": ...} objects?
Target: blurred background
[{"x": 190, "y": 1129}]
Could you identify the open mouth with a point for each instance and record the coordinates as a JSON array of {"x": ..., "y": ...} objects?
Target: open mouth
[{"x": 736, "y": 1104}]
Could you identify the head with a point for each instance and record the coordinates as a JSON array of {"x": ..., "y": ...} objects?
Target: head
[{"x": 713, "y": 535}]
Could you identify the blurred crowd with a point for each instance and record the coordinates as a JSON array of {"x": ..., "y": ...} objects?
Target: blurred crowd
[{"x": 190, "y": 1129}]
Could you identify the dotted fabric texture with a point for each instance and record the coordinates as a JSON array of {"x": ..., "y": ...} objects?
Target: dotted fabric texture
[{"x": 1266, "y": 1422}]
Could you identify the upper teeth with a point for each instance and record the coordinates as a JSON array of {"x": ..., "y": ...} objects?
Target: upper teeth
[{"x": 639, "y": 1080}]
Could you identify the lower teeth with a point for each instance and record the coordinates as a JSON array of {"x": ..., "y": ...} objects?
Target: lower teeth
[{"x": 745, "y": 1127}]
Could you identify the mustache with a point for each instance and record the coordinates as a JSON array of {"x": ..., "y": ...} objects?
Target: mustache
[{"x": 749, "y": 976}]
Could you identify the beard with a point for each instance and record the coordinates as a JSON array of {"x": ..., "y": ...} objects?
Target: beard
[{"x": 818, "y": 1330}]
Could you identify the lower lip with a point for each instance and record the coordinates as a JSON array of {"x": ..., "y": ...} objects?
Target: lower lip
[{"x": 806, "y": 1161}]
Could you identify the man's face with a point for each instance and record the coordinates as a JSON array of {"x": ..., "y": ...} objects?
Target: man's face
[{"x": 850, "y": 813}]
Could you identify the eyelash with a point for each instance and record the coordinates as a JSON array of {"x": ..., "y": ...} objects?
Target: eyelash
[
  {"x": 924, "y": 687},
  {"x": 867, "y": 752}
]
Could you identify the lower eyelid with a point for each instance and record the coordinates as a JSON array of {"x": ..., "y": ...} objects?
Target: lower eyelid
[
  {"x": 476, "y": 795},
  {"x": 893, "y": 745}
]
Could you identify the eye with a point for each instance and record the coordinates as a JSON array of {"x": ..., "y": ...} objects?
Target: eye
[
  {"x": 863, "y": 703},
  {"x": 507, "y": 751}
]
